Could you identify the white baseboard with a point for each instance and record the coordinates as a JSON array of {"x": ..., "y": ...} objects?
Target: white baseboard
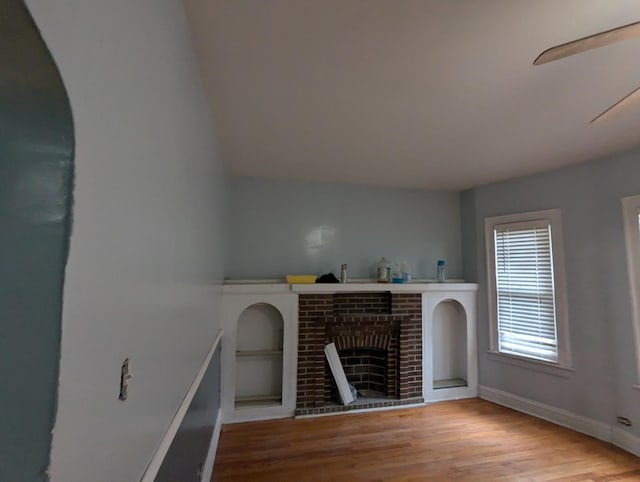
[
  {"x": 564, "y": 418},
  {"x": 213, "y": 447},
  {"x": 626, "y": 441},
  {"x": 552, "y": 414}
]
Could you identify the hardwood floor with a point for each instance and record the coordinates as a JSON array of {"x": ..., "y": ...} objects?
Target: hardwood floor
[{"x": 471, "y": 440}]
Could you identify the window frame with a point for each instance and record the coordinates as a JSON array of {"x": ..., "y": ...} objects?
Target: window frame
[
  {"x": 554, "y": 218},
  {"x": 631, "y": 213}
]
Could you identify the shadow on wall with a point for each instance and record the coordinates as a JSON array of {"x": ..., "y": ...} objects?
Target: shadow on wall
[{"x": 36, "y": 178}]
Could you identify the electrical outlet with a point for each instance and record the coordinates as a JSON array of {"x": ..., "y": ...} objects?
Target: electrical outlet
[
  {"x": 125, "y": 377},
  {"x": 624, "y": 421}
]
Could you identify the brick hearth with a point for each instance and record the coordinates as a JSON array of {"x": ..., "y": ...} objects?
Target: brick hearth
[{"x": 379, "y": 338}]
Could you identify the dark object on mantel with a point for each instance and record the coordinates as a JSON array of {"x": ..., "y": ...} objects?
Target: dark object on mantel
[{"x": 327, "y": 278}]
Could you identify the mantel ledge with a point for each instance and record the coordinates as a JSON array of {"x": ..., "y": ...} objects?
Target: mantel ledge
[
  {"x": 414, "y": 287},
  {"x": 272, "y": 286}
]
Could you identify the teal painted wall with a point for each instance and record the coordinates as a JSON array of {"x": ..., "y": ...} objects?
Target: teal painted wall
[
  {"x": 600, "y": 323},
  {"x": 36, "y": 171}
]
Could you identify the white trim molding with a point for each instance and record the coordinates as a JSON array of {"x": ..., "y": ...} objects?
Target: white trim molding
[
  {"x": 554, "y": 219},
  {"x": 536, "y": 365},
  {"x": 625, "y": 440},
  {"x": 600, "y": 430},
  {"x": 234, "y": 303},
  {"x": 631, "y": 210},
  {"x": 466, "y": 301},
  {"x": 156, "y": 462}
]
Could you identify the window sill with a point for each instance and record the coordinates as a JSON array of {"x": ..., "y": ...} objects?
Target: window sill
[{"x": 530, "y": 364}]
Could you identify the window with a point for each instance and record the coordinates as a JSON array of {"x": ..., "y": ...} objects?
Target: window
[
  {"x": 631, "y": 211},
  {"x": 527, "y": 295}
]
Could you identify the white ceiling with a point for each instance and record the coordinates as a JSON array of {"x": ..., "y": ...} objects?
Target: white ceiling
[{"x": 438, "y": 94}]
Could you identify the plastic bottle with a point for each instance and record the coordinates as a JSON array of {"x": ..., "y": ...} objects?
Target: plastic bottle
[
  {"x": 343, "y": 273},
  {"x": 384, "y": 271},
  {"x": 441, "y": 271},
  {"x": 397, "y": 274},
  {"x": 406, "y": 272}
]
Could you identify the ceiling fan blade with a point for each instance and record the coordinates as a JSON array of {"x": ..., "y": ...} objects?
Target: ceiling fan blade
[
  {"x": 623, "y": 103},
  {"x": 587, "y": 43}
]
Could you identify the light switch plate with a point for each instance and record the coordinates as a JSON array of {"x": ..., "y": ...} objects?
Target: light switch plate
[{"x": 125, "y": 377}]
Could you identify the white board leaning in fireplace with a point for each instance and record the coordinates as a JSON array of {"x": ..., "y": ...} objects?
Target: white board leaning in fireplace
[{"x": 338, "y": 373}]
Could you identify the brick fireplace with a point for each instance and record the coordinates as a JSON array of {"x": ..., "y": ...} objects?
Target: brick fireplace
[{"x": 378, "y": 336}]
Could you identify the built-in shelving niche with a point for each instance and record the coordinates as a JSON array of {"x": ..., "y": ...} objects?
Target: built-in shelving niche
[
  {"x": 259, "y": 353},
  {"x": 449, "y": 345}
]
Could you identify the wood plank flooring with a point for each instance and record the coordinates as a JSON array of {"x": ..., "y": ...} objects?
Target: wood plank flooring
[{"x": 471, "y": 440}]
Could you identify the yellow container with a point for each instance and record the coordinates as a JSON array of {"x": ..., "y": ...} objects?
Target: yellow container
[{"x": 301, "y": 278}]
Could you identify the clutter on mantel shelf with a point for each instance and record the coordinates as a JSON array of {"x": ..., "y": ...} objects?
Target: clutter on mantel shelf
[
  {"x": 301, "y": 278},
  {"x": 327, "y": 278},
  {"x": 400, "y": 275}
]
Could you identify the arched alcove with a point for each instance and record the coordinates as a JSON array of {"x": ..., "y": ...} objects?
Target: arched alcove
[
  {"x": 259, "y": 343},
  {"x": 449, "y": 345}
]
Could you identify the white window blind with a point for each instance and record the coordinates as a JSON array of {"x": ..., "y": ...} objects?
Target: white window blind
[{"x": 526, "y": 312}]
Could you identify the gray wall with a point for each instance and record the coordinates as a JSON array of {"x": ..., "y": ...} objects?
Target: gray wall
[
  {"x": 281, "y": 227},
  {"x": 146, "y": 252},
  {"x": 36, "y": 170},
  {"x": 597, "y": 284},
  {"x": 187, "y": 454}
]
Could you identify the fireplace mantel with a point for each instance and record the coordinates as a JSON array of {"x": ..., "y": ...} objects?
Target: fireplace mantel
[
  {"x": 392, "y": 287},
  {"x": 440, "y": 318},
  {"x": 272, "y": 286}
]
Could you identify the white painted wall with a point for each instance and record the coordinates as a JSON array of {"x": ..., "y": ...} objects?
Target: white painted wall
[
  {"x": 280, "y": 227},
  {"x": 601, "y": 386},
  {"x": 146, "y": 257}
]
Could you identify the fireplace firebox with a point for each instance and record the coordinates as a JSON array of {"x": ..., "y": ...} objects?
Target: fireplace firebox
[{"x": 378, "y": 336}]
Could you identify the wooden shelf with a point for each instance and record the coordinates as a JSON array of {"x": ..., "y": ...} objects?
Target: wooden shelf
[
  {"x": 449, "y": 383},
  {"x": 258, "y": 352},
  {"x": 258, "y": 400}
]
